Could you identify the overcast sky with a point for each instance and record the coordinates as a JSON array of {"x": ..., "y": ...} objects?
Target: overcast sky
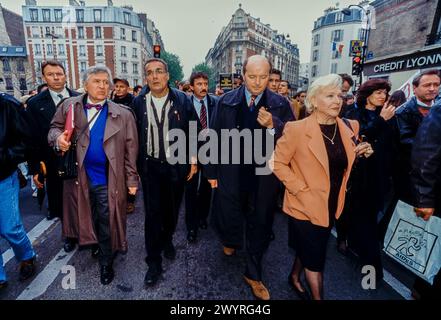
[{"x": 189, "y": 28}]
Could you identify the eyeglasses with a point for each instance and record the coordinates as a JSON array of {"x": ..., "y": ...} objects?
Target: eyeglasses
[{"x": 158, "y": 71}]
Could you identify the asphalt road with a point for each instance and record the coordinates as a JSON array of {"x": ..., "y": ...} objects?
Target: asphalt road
[{"x": 199, "y": 272}]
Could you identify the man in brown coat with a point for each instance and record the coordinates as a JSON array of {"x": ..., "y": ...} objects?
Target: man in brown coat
[{"x": 94, "y": 204}]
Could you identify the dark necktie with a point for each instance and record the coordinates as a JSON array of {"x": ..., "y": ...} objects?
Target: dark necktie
[
  {"x": 60, "y": 96},
  {"x": 89, "y": 106},
  {"x": 203, "y": 116},
  {"x": 252, "y": 105}
]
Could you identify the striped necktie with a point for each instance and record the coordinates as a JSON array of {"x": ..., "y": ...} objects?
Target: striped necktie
[
  {"x": 203, "y": 116},
  {"x": 252, "y": 104}
]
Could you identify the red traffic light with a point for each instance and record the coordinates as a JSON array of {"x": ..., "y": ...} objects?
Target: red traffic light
[
  {"x": 157, "y": 51},
  {"x": 357, "y": 59}
]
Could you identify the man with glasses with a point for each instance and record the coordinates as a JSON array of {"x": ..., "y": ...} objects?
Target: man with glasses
[{"x": 158, "y": 110}]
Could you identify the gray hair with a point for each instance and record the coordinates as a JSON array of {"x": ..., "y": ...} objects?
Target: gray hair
[
  {"x": 99, "y": 68},
  {"x": 157, "y": 60},
  {"x": 330, "y": 80}
]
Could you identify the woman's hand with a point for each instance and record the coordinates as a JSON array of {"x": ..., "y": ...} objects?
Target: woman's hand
[
  {"x": 387, "y": 112},
  {"x": 364, "y": 149}
]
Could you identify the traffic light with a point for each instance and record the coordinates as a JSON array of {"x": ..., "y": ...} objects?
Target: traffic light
[
  {"x": 357, "y": 66},
  {"x": 157, "y": 51}
]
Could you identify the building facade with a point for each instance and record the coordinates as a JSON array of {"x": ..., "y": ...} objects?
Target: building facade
[
  {"x": 406, "y": 40},
  {"x": 303, "y": 77},
  {"x": 245, "y": 36},
  {"x": 15, "y": 71},
  {"x": 80, "y": 36},
  {"x": 331, "y": 41}
]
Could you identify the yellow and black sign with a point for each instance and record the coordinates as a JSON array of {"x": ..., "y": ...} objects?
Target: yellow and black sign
[
  {"x": 356, "y": 48},
  {"x": 226, "y": 81}
]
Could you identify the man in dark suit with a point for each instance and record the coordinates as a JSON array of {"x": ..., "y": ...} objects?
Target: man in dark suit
[
  {"x": 426, "y": 165},
  {"x": 160, "y": 109},
  {"x": 198, "y": 190},
  {"x": 244, "y": 193},
  {"x": 40, "y": 111}
]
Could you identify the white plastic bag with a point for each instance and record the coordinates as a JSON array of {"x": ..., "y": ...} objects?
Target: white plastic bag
[{"x": 413, "y": 242}]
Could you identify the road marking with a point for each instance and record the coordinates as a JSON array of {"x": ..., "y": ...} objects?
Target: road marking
[
  {"x": 396, "y": 284},
  {"x": 45, "y": 278},
  {"x": 33, "y": 235}
]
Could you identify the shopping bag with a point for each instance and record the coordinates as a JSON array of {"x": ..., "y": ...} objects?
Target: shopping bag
[{"x": 413, "y": 242}]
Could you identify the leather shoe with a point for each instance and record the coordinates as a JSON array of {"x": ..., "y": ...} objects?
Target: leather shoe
[
  {"x": 152, "y": 275},
  {"x": 130, "y": 208},
  {"x": 229, "y": 251},
  {"x": 27, "y": 269},
  {"x": 203, "y": 224},
  {"x": 192, "y": 236},
  {"x": 258, "y": 288},
  {"x": 169, "y": 251},
  {"x": 106, "y": 275},
  {"x": 69, "y": 245},
  {"x": 303, "y": 295},
  {"x": 95, "y": 251}
]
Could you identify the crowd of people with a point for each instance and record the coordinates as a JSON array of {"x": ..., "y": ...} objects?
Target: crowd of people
[{"x": 340, "y": 158}]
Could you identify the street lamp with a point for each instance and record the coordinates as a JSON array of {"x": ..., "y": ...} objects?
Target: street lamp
[{"x": 347, "y": 12}]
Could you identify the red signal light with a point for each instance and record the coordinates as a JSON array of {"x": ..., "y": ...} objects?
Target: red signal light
[{"x": 157, "y": 51}]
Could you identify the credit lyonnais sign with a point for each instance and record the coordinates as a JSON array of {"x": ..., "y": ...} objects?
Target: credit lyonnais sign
[{"x": 419, "y": 60}]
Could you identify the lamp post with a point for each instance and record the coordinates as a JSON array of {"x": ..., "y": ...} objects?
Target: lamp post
[{"x": 347, "y": 12}]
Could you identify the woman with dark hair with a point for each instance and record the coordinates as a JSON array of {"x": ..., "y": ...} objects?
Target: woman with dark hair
[
  {"x": 397, "y": 98},
  {"x": 371, "y": 178}
]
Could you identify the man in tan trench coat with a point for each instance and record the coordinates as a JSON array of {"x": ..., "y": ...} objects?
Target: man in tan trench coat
[{"x": 94, "y": 204}]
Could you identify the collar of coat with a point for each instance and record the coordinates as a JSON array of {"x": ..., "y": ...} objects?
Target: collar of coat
[
  {"x": 173, "y": 95},
  {"x": 46, "y": 95},
  {"x": 113, "y": 108},
  {"x": 236, "y": 96}
]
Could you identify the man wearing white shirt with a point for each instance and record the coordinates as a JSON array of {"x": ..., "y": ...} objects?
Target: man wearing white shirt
[
  {"x": 106, "y": 151},
  {"x": 245, "y": 201},
  {"x": 39, "y": 113},
  {"x": 198, "y": 190}
]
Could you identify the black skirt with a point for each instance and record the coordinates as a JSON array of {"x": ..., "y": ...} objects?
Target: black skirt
[{"x": 310, "y": 242}]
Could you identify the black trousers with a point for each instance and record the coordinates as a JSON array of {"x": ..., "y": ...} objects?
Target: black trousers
[
  {"x": 197, "y": 201},
  {"x": 257, "y": 208},
  {"x": 54, "y": 190},
  {"x": 99, "y": 204},
  {"x": 162, "y": 198}
]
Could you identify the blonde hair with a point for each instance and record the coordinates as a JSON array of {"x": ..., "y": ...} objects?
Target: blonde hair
[{"x": 330, "y": 80}]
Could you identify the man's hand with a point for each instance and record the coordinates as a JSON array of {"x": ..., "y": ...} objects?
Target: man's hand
[
  {"x": 265, "y": 118},
  {"x": 38, "y": 184},
  {"x": 132, "y": 190},
  {"x": 424, "y": 213},
  {"x": 193, "y": 171},
  {"x": 213, "y": 183},
  {"x": 62, "y": 142}
]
